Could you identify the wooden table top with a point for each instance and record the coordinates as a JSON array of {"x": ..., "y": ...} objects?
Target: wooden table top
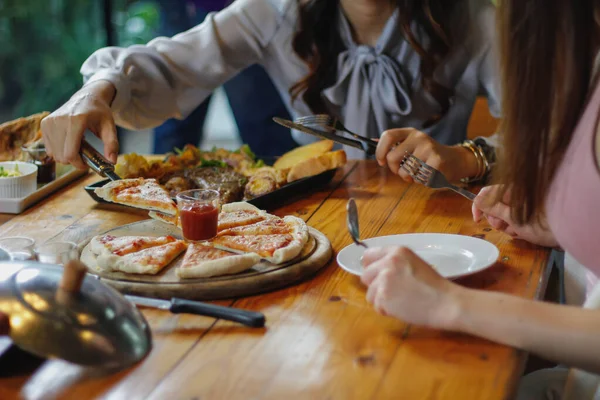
[{"x": 322, "y": 341}]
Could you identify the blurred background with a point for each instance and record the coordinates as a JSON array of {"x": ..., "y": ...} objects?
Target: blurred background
[{"x": 44, "y": 43}]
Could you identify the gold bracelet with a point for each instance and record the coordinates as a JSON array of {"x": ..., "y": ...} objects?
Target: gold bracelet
[
  {"x": 486, "y": 164},
  {"x": 481, "y": 161}
]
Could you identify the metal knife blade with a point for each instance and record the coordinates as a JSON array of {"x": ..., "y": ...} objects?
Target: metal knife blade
[
  {"x": 318, "y": 133},
  {"x": 148, "y": 302}
]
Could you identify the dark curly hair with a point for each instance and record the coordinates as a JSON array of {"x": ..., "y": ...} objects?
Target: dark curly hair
[{"x": 318, "y": 43}]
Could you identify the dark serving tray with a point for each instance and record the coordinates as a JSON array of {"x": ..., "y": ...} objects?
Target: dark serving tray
[{"x": 269, "y": 201}]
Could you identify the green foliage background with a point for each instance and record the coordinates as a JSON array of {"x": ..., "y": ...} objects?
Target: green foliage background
[{"x": 44, "y": 42}]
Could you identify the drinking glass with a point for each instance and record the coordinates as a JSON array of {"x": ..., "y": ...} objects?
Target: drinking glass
[
  {"x": 56, "y": 252},
  {"x": 19, "y": 248}
]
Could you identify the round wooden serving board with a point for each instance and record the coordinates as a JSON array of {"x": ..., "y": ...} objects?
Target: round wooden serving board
[{"x": 261, "y": 278}]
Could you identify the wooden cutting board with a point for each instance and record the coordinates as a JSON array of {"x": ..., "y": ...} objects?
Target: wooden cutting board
[{"x": 261, "y": 278}]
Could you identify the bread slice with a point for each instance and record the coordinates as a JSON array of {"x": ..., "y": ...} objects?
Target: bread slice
[
  {"x": 303, "y": 153},
  {"x": 19, "y": 132},
  {"x": 316, "y": 165}
]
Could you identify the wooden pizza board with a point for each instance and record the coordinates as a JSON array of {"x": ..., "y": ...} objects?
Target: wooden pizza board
[{"x": 263, "y": 277}]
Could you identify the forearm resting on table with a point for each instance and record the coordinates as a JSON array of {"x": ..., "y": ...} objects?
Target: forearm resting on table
[{"x": 564, "y": 334}]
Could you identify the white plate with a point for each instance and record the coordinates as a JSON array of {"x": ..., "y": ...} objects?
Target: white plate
[{"x": 452, "y": 256}]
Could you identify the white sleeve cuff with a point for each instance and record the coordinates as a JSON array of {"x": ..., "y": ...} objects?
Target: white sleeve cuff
[{"x": 122, "y": 86}]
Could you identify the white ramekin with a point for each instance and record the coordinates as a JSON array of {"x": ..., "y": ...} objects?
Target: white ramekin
[{"x": 18, "y": 186}]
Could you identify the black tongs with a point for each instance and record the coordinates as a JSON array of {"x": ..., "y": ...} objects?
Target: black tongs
[{"x": 368, "y": 146}]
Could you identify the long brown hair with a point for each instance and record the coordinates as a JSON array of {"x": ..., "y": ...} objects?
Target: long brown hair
[
  {"x": 318, "y": 43},
  {"x": 547, "y": 58}
]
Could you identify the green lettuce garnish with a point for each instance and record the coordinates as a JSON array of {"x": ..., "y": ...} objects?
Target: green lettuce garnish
[
  {"x": 246, "y": 150},
  {"x": 213, "y": 163}
]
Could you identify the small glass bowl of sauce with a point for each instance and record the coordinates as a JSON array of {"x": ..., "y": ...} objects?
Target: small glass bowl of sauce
[{"x": 198, "y": 213}]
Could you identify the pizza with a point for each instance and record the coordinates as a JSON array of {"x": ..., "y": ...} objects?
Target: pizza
[
  {"x": 202, "y": 261},
  {"x": 276, "y": 248},
  {"x": 140, "y": 193},
  {"x": 124, "y": 245},
  {"x": 240, "y": 214},
  {"x": 148, "y": 261},
  {"x": 270, "y": 226}
]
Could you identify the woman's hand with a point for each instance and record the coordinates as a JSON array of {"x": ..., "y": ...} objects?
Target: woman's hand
[
  {"x": 89, "y": 108},
  {"x": 404, "y": 286},
  {"x": 455, "y": 162},
  {"x": 498, "y": 215}
]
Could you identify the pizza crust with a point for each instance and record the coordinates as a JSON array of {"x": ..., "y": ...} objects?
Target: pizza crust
[
  {"x": 240, "y": 206},
  {"x": 168, "y": 219},
  {"x": 300, "y": 234}
]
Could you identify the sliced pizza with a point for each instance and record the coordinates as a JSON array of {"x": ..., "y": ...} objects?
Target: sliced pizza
[
  {"x": 140, "y": 193},
  {"x": 275, "y": 248},
  {"x": 124, "y": 245},
  {"x": 169, "y": 219},
  {"x": 148, "y": 261},
  {"x": 270, "y": 226},
  {"x": 201, "y": 261},
  {"x": 240, "y": 214}
]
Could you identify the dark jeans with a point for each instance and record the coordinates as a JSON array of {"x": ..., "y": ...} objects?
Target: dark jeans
[{"x": 252, "y": 96}]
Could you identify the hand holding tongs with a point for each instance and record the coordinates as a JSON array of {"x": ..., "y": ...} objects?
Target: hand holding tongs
[
  {"x": 97, "y": 162},
  {"x": 330, "y": 126}
]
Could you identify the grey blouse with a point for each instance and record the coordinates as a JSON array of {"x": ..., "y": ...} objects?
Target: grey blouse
[{"x": 376, "y": 89}]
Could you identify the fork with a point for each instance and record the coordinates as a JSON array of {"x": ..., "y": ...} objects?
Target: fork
[
  {"x": 429, "y": 176},
  {"x": 332, "y": 124}
]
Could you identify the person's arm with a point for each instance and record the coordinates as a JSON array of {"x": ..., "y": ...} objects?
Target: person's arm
[
  {"x": 402, "y": 285},
  {"x": 565, "y": 334},
  {"x": 169, "y": 77}
]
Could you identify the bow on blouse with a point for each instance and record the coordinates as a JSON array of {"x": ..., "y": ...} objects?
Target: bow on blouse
[{"x": 371, "y": 86}]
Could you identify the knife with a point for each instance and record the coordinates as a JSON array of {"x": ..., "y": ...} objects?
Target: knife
[
  {"x": 178, "y": 306},
  {"x": 326, "y": 135},
  {"x": 97, "y": 162}
]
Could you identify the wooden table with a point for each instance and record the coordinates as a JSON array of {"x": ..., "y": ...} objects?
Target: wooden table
[{"x": 323, "y": 341}]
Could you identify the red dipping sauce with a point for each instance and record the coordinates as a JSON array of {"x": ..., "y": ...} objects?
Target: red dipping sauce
[{"x": 199, "y": 221}]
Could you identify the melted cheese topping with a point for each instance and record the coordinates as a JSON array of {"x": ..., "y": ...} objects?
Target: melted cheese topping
[
  {"x": 263, "y": 245},
  {"x": 142, "y": 193},
  {"x": 197, "y": 253},
  {"x": 233, "y": 219},
  {"x": 272, "y": 226},
  {"x": 156, "y": 257},
  {"x": 130, "y": 244}
]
